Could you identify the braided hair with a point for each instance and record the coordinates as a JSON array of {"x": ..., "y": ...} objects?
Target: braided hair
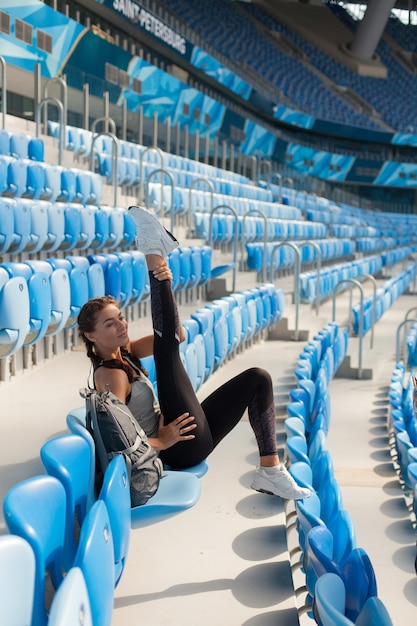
[{"x": 87, "y": 319}]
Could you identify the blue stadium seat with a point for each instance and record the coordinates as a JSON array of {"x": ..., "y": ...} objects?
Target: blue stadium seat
[
  {"x": 71, "y": 602},
  {"x": 39, "y": 291},
  {"x": 95, "y": 558},
  {"x": 6, "y": 224},
  {"x": 79, "y": 286},
  {"x": 68, "y": 459},
  {"x": 35, "y": 510},
  {"x": 115, "y": 493},
  {"x": 14, "y": 313},
  {"x": 60, "y": 294},
  {"x": 17, "y": 579}
]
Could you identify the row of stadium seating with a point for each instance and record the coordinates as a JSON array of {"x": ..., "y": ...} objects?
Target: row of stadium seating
[
  {"x": 40, "y": 298},
  {"x": 324, "y": 540}
]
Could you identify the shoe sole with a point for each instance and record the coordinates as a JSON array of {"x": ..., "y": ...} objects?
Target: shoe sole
[{"x": 277, "y": 495}]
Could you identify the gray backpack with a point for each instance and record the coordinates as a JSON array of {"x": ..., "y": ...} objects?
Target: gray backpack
[{"x": 115, "y": 431}]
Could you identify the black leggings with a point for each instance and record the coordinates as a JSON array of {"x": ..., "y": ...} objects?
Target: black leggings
[{"x": 219, "y": 413}]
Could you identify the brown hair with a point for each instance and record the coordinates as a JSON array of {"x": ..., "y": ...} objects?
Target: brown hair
[{"x": 87, "y": 319}]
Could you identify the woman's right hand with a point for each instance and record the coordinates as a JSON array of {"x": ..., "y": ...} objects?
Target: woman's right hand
[{"x": 176, "y": 431}]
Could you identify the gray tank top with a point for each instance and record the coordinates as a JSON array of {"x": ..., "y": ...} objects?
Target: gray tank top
[{"x": 144, "y": 405}]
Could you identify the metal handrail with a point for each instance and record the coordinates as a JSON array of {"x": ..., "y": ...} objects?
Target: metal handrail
[
  {"x": 64, "y": 99},
  {"x": 194, "y": 182},
  {"x": 172, "y": 183},
  {"x": 115, "y": 158},
  {"x": 141, "y": 182},
  {"x": 3, "y": 90},
  {"x": 235, "y": 238},
  {"x": 316, "y": 246},
  {"x": 279, "y": 177},
  {"x": 360, "y": 333},
  {"x": 372, "y": 279},
  {"x": 60, "y": 106},
  {"x": 296, "y": 277},
  {"x": 265, "y": 219}
]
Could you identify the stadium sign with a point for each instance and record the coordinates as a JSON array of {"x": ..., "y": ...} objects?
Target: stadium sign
[{"x": 150, "y": 23}]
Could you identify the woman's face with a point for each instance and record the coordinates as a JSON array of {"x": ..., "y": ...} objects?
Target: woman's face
[{"x": 110, "y": 330}]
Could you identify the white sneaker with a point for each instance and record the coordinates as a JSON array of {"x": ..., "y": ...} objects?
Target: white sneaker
[
  {"x": 151, "y": 236},
  {"x": 280, "y": 484}
]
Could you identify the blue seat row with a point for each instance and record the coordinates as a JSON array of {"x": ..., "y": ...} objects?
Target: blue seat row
[
  {"x": 331, "y": 276},
  {"x": 285, "y": 258},
  {"x": 21, "y": 146},
  {"x": 385, "y": 297},
  {"x": 25, "y": 178},
  {"x": 326, "y": 535},
  {"x": 225, "y": 325},
  {"x": 32, "y": 226},
  {"x": 65, "y": 529},
  {"x": 40, "y": 298}
]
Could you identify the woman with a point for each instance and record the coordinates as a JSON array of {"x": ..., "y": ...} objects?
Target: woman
[{"x": 182, "y": 430}]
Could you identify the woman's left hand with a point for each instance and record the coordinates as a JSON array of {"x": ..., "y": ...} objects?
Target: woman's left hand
[{"x": 162, "y": 271}]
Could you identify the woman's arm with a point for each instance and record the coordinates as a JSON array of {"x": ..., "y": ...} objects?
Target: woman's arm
[{"x": 114, "y": 380}]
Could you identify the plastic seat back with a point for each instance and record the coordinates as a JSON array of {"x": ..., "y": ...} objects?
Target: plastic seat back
[
  {"x": 71, "y": 603},
  {"x": 95, "y": 557},
  {"x": 115, "y": 492},
  {"x": 17, "y": 580},
  {"x": 14, "y": 313},
  {"x": 330, "y": 597},
  {"x": 35, "y": 509},
  {"x": 68, "y": 458}
]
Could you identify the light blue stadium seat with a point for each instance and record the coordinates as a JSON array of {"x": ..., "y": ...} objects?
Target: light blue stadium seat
[
  {"x": 129, "y": 231},
  {"x": 60, "y": 294},
  {"x": 205, "y": 319},
  {"x": 141, "y": 286},
  {"x": 17, "y": 580},
  {"x": 35, "y": 510},
  {"x": 116, "y": 227},
  {"x": 126, "y": 277},
  {"x": 79, "y": 286},
  {"x": 73, "y": 227},
  {"x": 39, "y": 291},
  {"x": 330, "y": 599},
  {"x": 36, "y": 182},
  {"x": 68, "y": 192},
  {"x": 68, "y": 458},
  {"x": 88, "y": 227},
  {"x": 19, "y": 145},
  {"x": 221, "y": 334},
  {"x": 177, "y": 491},
  {"x": 76, "y": 422},
  {"x": 21, "y": 228},
  {"x": 111, "y": 269},
  {"x": 38, "y": 211},
  {"x": 95, "y": 558},
  {"x": 5, "y": 142},
  {"x": 14, "y": 313},
  {"x": 53, "y": 181},
  {"x": 56, "y": 227},
  {"x": 296, "y": 448},
  {"x": 70, "y": 605},
  {"x": 174, "y": 266},
  {"x": 308, "y": 515},
  {"x": 6, "y": 224},
  {"x": 16, "y": 178},
  {"x": 115, "y": 493},
  {"x": 185, "y": 268},
  {"x": 102, "y": 229}
]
